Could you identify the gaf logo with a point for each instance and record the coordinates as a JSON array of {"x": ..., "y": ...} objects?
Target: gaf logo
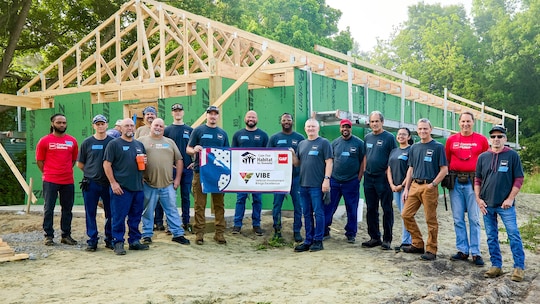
[{"x": 283, "y": 158}]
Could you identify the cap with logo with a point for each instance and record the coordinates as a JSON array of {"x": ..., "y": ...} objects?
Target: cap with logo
[
  {"x": 499, "y": 128},
  {"x": 212, "y": 109},
  {"x": 177, "y": 106},
  {"x": 345, "y": 122},
  {"x": 118, "y": 122},
  {"x": 149, "y": 109},
  {"x": 99, "y": 118}
]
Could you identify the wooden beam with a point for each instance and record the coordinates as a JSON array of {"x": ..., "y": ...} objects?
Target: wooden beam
[
  {"x": 236, "y": 85},
  {"x": 17, "y": 174},
  {"x": 368, "y": 65},
  {"x": 20, "y": 101}
]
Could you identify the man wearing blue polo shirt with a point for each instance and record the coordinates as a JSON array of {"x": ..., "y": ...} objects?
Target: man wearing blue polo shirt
[{"x": 345, "y": 180}]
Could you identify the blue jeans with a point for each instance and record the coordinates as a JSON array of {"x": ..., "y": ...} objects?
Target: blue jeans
[
  {"x": 297, "y": 206},
  {"x": 312, "y": 207},
  {"x": 376, "y": 188},
  {"x": 240, "y": 209},
  {"x": 185, "y": 190},
  {"x": 167, "y": 200},
  {"x": 462, "y": 199},
  {"x": 350, "y": 190},
  {"x": 508, "y": 217},
  {"x": 405, "y": 235},
  {"x": 91, "y": 198},
  {"x": 51, "y": 191},
  {"x": 130, "y": 204}
]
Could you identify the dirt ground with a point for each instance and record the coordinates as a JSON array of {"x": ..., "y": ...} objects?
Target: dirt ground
[{"x": 247, "y": 270}]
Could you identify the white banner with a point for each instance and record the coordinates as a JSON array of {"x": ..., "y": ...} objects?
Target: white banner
[{"x": 245, "y": 170}]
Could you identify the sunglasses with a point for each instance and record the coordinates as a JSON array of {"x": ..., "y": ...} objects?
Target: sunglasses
[{"x": 497, "y": 136}]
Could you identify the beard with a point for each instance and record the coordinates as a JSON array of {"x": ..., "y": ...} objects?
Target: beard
[
  {"x": 251, "y": 124},
  {"x": 61, "y": 131},
  {"x": 129, "y": 134}
]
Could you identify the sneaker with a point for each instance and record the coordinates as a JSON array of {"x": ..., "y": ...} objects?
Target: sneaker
[
  {"x": 258, "y": 231},
  {"x": 119, "y": 248},
  {"x": 181, "y": 240},
  {"x": 236, "y": 230},
  {"x": 371, "y": 243},
  {"x": 68, "y": 240},
  {"x": 316, "y": 246},
  {"x": 146, "y": 240},
  {"x": 351, "y": 239},
  {"x": 460, "y": 256},
  {"x": 220, "y": 239},
  {"x": 302, "y": 247},
  {"x": 91, "y": 248},
  {"x": 298, "y": 237},
  {"x": 428, "y": 256},
  {"x": 138, "y": 246},
  {"x": 167, "y": 231},
  {"x": 109, "y": 245},
  {"x": 48, "y": 241},
  {"x": 159, "y": 227},
  {"x": 517, "y": 275},
  {"x": 199, "y": 239},
  {"x": 478, "y": 261},
  {"x": 386, "y": 246},
  {"x": 326, "y": 235},
  {"x": 412, "y": 249},
  {"x": 493, "y": 272}
]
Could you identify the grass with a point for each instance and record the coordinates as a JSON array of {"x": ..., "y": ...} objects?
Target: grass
[
  {"x": 531, "y": 184},
  {"x": 530, "y": 234}
]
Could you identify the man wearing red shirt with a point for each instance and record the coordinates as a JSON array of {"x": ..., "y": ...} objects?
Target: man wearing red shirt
[
  {"x": 56, "y": 154},
  {"x": 462, "y": 151}
]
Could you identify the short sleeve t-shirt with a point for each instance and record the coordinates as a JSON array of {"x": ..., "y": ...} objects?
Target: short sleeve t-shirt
[
  {"x": 122, "y": 156},
  {"x": 348, "y": 157},
  {"x": 180, "y": 134},
  {"x": 426, "y": 159},
  {"x": 398, "y": 164},
  {"x": 58, "y": 154},
  {"x": 282, "y": 140},
  {"x": 250, "y": 139},
  {"x": 378, "y": 148},
  {"x": 462, "y": 151},
  {"x": 161, "y": 155},
  {"x": 312, "y": 155},
  {"x": 206, "y": 136},
  {"x": 91, "y": 155}
]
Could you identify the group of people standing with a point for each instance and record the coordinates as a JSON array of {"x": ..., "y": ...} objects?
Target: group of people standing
[{"x": 480, "y": 179}]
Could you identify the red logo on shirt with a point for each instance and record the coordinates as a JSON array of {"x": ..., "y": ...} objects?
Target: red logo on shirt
[{"x": 283, "y": 158}]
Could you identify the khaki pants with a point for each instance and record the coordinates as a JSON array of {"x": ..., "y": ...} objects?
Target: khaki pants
[
  {"x": 422, "y": 195},
  {"x": 200, "y": 207}
]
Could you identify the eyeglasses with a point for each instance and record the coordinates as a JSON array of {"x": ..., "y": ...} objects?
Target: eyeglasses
[
  {"x": 346, "y": 126},
  {"x": 497, "y": 136}
]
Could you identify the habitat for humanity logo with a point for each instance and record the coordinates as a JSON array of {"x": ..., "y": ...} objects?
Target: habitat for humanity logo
[
  {"x": 248, "y": 158},
  {"x": 246, "y": 176}
]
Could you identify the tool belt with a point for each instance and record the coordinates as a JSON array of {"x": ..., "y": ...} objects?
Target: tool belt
[{"x": 464, "y": 177}]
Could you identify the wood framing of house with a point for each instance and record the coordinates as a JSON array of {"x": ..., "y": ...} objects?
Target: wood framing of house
[{"x": 149, "y": 50}]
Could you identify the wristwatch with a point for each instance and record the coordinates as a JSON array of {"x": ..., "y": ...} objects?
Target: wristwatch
[
  {"x": 434, "y": 184},
  {"x": 326, "y": 177}
]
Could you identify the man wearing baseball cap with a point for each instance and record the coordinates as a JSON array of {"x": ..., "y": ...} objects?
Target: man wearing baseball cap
[
  {"x": 498, "y": 179},
  {"x": 180, "y": 133},
  {"x": 95, "y": 184},
  {"x": 115, "y": 132},
  {"x": 149, "y": 114},
  {"x": 207, "y": 135},
  {"x": 345, "y": 180}
]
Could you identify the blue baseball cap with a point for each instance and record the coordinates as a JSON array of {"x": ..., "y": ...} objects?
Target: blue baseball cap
[
  {"x": 149, "y": 109},
  {"x": 99, "y": 118}
]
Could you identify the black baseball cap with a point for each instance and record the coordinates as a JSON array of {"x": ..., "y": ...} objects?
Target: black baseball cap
[
  {"x": 212, "y": 108},
  {"x": 177, "y": 106},
  {"x": 499, "y": 128}
]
